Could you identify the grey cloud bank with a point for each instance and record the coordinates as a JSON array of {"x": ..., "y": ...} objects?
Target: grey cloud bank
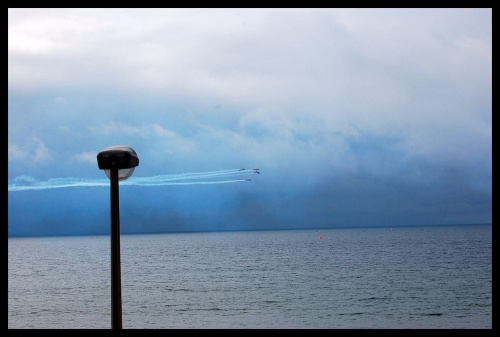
[{"x": 356, "y": 117}]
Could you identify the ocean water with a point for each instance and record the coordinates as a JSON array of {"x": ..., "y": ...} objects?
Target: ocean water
[{"x": 361, "y": 278}]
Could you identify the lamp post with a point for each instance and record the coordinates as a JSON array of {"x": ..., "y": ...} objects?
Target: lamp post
[{"x": 118, "y": 162}]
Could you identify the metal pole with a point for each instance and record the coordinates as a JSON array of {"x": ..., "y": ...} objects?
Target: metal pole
[{"x": 116, "y": 291}]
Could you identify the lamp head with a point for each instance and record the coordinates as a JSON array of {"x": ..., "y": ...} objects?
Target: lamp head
[{"x": 121, "y": 157}]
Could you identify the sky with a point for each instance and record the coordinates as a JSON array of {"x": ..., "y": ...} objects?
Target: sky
[{"x": 354, "y": 118}]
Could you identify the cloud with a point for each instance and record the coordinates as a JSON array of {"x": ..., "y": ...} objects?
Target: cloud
[
  {"x": 88, "y": 157},
  {"x": 33, "y": 151},
  {"x": 249, "y": 54},
  {"x": 379, "y": 69},
  {"x": 330, "y": 103},
  {"x": 117, "y": 128}
]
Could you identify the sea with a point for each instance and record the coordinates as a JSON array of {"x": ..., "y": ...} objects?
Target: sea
[{"x": 422, "y": 277}]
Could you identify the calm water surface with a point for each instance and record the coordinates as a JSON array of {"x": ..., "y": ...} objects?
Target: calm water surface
[{"x": 416, "y": 277}]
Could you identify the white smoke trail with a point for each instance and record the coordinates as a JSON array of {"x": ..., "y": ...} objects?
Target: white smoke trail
[{"x": 25, "y": 183}]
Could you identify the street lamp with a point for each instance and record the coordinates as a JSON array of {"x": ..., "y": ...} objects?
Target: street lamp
[{"x": 118, "y": 162}]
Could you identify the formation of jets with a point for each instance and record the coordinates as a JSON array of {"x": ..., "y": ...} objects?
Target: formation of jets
[{"x": 255, "y": 170}]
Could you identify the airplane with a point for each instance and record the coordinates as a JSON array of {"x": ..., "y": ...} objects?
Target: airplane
[
  {"x": 256, "y": 170},
  {"x": 241, "y": 169},
  {"x": 248, "y": 179}
]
